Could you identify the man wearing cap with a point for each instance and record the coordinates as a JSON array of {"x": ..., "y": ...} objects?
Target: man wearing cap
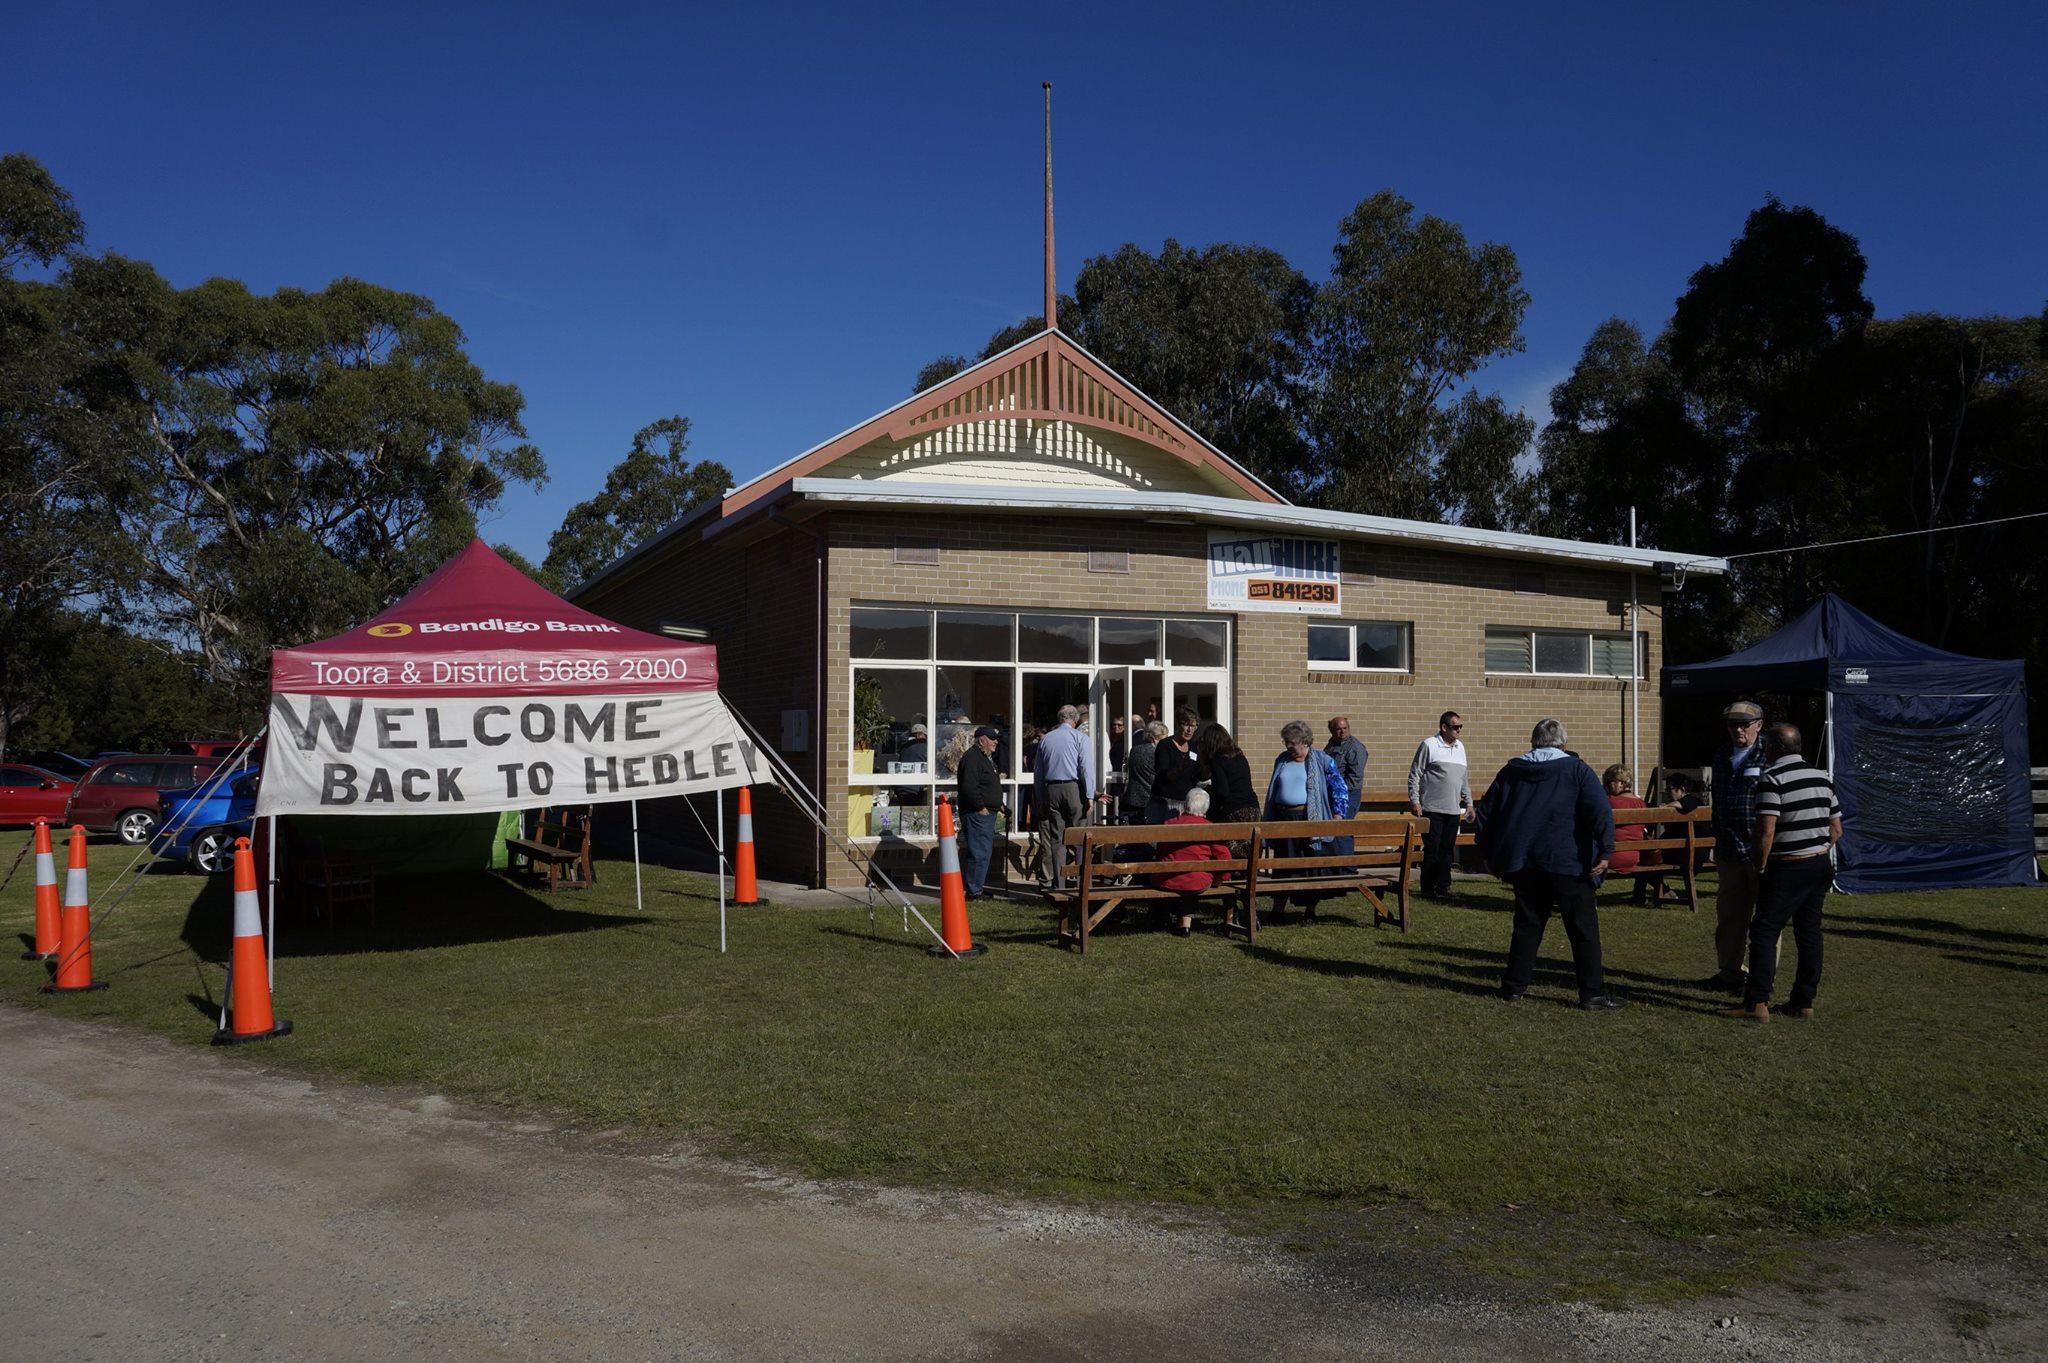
[
  {"x": 981, "y": 795},
  {"x": 1738, "y": 767},
  {"x": 919, "y": 746}
]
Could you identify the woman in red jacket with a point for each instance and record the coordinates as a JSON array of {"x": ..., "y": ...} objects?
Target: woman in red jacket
[
  {"x": 1621, "y": 785},
  {"x": 1193, "y": 881}
]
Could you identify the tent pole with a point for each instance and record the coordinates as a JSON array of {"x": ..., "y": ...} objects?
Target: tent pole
[
  {"x": 1635, "y": 661},
  {"x": 639, "y": 904},
  {"x": 1827, "y": 724},
  {"x": 270, "y": 906},
  {"x": 718, "y": 798}
]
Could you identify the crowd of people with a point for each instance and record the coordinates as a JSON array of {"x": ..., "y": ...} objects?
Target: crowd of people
[
  {"x": 1547, "y": 825},
  {"x": 1548, "y": 828}
]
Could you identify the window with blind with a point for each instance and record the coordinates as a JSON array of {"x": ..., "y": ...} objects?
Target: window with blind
[{"x": 1511, "y": 651}]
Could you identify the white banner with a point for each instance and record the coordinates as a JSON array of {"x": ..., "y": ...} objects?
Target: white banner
[
  {"x": 377, "y": 755},
  {"x": 1251, "y": 572}
]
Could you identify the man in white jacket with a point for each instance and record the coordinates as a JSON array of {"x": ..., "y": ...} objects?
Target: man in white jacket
[{"x": 1440, "y": 790}]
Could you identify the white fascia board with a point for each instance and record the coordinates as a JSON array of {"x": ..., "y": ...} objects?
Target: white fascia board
[{"x": 1232, "y": 511}]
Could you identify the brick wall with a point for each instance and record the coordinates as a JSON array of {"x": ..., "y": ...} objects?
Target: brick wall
[{"x": 759, "y": 602}]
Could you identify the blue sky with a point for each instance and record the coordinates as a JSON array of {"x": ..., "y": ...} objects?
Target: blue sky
[{"x": 767, "y": 218}]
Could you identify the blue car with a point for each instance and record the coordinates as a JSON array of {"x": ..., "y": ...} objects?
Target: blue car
[{"x": 199, "y": 826}]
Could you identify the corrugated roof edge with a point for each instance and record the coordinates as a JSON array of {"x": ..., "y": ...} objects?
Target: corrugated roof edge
[{"x": 1231, "y": 511}]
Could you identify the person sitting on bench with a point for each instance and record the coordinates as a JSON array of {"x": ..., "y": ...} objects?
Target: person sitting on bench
[{"x": 1190, "y": 882}]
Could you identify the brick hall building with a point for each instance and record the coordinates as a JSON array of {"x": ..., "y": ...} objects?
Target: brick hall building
[{"x": 1035, "y": 532}]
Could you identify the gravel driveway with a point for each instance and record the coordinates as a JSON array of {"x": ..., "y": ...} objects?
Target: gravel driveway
[{"x": 169, "y": 1203}]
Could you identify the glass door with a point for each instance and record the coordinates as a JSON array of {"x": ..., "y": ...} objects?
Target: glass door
[
  {"x": 1109, "y": 717},
  {"x": 1040, "y": 696}
]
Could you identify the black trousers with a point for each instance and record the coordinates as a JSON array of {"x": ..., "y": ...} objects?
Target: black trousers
[
  {"x": 1538, "y": 894},
  {"x": 1791, "y": 892},
  {"x": 1439, "y": 853}
]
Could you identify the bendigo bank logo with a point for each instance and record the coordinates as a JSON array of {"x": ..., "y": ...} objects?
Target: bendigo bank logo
[{"x": 391, "y": 630}]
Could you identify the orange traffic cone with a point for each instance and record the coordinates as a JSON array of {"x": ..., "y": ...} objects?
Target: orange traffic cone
[
  {"x": 248, "y": 972},
  {"x": 744, "y": 890},
  {"x": 74, "y": 928},
  {"x": 47, "y": 930},
  {"x": 952, "y": 892}
]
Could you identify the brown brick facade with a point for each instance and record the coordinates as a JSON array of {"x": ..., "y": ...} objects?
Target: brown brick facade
[{"x": 759, "y": 600}]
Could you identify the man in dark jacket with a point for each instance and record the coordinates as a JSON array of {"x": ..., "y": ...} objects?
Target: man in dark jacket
[
  {"x": 1137, "y": 791},
  {"x": 1546, "y": 828},
  {"x": 1350, "y": 756},
  {"x": 981, "y": 795}
]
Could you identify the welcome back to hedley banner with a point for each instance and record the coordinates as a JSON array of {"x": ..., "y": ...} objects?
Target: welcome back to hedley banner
[{"x": 371, "y": 755}]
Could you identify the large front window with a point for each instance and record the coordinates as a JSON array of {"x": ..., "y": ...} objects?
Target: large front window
[{"x": 923, "y": 680}]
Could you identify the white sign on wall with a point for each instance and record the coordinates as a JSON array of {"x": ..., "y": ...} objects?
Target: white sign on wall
[{"x": 1253, "y": 572}]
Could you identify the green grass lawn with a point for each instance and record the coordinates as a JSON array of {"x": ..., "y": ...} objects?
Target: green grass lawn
[{"x": 1335, "y": 1067}]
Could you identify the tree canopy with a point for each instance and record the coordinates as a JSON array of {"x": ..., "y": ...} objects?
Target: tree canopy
[
  {"x": 223, "y": 472},
  {"x": 1350, "y": 394},
  {"x": 653, "y": 485},
  {"x": 1775, "y": 412}
]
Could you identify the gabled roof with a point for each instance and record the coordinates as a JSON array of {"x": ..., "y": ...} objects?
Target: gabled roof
[{"x": 1046, "y": 378}]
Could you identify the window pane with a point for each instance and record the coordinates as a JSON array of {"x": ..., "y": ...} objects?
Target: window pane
[
  {"x": 1044, "y": 694},
  {"x": 1610, "y": 655},
  {"x": 1130, "y": 641},
  {"x": 889, "y": 812},
  {"x": 1197, "y": 643},
  {"x": 1507, "y": 650},
  {"x": 1054, "y": 638},
  {"x": 892, "y": 634},
  {"x": 886, "y": 703},
  {"x": 1329, "y": 643},
  {"x": 127, "y": 774},
  {"x": 970, "y": 697},
  {"x": 978, "y": 636},
  {"x": 1568, "y": 653},
  {"x": 1381, "y": 644}
]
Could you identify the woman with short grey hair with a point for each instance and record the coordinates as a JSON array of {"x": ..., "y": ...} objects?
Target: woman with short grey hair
[{"x": 1305, "y": 786}]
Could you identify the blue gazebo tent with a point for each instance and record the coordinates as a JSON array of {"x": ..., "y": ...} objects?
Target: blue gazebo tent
[{"x": 1928, "y": 748}]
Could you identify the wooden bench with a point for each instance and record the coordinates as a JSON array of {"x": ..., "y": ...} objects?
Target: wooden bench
[
  {"x": 1681, "y": 832},
  {"x": 1373, "y": 802},
  {"x": 1689, "y": 835},
  {"x": 1384, "y": 851},
  {"x": 559, "y": 844}
]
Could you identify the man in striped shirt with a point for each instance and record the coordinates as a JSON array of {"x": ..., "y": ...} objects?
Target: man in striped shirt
[{"x": 1798, "y": 823}]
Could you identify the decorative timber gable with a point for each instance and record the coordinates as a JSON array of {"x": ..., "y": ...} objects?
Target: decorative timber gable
[{"x": 1041, "y": 403}]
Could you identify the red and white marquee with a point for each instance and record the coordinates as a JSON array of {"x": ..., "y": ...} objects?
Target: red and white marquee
[{"x": 484, "y": 691}]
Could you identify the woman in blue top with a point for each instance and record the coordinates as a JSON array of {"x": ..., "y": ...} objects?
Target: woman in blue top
[{"x": 1306, "y": 786}]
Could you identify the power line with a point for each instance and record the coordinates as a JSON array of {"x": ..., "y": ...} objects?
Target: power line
[{"x": 1873, "y": 539}]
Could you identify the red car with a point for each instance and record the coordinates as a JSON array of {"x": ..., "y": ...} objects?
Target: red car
[
  {"x": 119, "y": 794},
  {"x": 214, "y": 747},
  {"x": 30, "y": 793}
]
